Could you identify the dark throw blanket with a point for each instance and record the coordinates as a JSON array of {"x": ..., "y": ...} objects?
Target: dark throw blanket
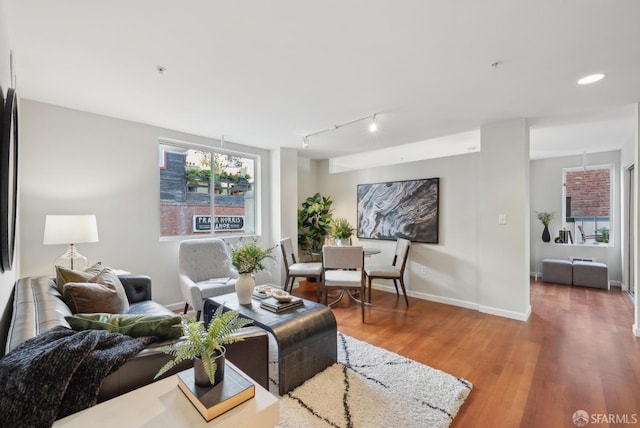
[{"x": 58, "y": 373}]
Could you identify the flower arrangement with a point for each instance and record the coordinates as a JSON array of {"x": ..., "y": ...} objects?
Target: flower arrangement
[
  {"x": 545, "y": 217},
  {"x": 250, "y": 258},
  {"x": 341, "y": 228}
]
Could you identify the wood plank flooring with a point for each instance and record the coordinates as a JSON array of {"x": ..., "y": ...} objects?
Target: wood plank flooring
[{"x": 576, "y": 352}]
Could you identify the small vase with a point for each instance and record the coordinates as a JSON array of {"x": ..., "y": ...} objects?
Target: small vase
[
  {"x": 546, "y": 235},
  {"x": 341, "y": 241},
  {"x": 200, "y": 375},
  {"x": 244, "y": 288}
]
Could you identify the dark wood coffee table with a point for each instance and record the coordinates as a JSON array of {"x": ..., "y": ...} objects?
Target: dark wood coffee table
[{"x": 306, "y": 336}]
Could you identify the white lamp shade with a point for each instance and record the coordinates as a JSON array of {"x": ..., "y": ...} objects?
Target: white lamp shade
[{"x": 70, "y": 229}]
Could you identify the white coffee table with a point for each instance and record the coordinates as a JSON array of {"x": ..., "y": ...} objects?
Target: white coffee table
[{"x": 162, "y": 404}]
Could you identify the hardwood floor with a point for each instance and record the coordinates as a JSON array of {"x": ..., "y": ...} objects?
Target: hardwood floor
[{"x": 576, "y": 352}]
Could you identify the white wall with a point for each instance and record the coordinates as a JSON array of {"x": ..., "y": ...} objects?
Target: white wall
[
  {"x": 308, "y": 181},
  {"x": 75, "y": 162},
  {"x": 546, "y": 195},
  {"x": 451, "y": 264},
  {"x": 7, "y": 279}
]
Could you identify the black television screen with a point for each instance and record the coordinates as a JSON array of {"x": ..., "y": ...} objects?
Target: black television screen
[{"x": 399, "y": 209}]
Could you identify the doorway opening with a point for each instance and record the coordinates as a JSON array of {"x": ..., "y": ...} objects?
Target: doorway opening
[{"x": 630, "y": 232}]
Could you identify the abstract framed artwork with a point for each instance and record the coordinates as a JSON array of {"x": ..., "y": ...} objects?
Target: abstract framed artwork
[{"x": 399, "y": 209}]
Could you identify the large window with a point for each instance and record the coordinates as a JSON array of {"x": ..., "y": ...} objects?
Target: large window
[
  {"x": 206, "y": 191},
  {"x": 587, "y": 196}
]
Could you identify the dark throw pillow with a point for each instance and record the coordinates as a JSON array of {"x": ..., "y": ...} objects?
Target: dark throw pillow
[
  {"x": 110, "y": 278},
  {"x": 102, "y": 293}
]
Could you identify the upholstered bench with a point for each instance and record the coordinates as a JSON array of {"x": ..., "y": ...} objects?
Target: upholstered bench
[
  {"x": 557, "y": 271},
  {"x": 590, "y": 274}
]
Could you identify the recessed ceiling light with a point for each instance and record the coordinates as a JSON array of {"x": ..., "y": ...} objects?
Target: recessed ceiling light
[{"x": 592, "y": 78}]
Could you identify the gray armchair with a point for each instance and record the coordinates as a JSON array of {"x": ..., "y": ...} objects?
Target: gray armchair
[{"x": 204, "y": 271}]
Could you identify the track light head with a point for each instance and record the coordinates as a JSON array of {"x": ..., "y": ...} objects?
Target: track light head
[
  {"x": 305, "y": 143},
  {"x": 373, "y": 126}
]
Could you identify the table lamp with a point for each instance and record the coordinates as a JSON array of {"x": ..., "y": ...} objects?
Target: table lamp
[{"x": 71, "y": 230}]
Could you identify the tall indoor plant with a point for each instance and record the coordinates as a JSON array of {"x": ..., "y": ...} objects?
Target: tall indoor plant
[
  {"x": 314, "y": 222},
  {"x": 248, "y": 260},
  {"x": 205, "y": 345}
]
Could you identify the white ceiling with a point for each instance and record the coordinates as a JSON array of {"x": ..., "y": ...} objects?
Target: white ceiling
[{"x": 266, "y": 73}]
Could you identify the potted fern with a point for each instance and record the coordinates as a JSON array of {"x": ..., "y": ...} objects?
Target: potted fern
[{"x": 205, "y": 345}]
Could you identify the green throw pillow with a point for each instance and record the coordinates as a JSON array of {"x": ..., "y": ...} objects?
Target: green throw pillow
[
  {"x": 64, "y": 275},
  {"x": 162, "y": 326}
]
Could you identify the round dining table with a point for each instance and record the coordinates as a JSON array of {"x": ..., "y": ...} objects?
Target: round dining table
[{"x": 368, "y": 252}]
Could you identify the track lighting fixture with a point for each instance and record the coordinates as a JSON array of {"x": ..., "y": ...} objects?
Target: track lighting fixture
[{"x": 373, "y": 127}]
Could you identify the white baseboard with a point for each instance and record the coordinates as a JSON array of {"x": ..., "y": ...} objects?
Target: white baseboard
[
  {"x": 519, "y": 316},
  {"x": 615, "y": 284},
  {"x": 175, "y": 307},
  {"x": 445, "y": 300},
  {"x": 460, "y": 303},
  {"x": 427, "y": 296}
]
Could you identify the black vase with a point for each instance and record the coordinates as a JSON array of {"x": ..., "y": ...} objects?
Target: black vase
[{"x": 546, "y": 235}]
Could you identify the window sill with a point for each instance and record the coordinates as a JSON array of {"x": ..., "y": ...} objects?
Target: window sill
[{"x": 587, "y": 245}]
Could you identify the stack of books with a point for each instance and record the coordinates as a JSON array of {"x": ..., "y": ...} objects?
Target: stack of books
[
  {"x": 273, "y": 305},
  {"x": 213, "y": 401}
]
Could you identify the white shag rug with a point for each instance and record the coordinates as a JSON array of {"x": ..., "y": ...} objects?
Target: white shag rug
[{"x": 372, "y": 387}]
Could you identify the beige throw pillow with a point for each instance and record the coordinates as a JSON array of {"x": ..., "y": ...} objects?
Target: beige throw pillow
[
  {"x": 64, "y": 275},
  {"x": 102, "y": 293}
]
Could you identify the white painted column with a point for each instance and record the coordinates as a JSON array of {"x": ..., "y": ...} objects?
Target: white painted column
[
  {"x": 284, "y": 203},
  {"x": 503, "y": 179},
  {"x": 636, "y": 220}
]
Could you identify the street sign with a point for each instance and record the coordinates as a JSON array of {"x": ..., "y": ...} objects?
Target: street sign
[{"x": 202, "y": 223}]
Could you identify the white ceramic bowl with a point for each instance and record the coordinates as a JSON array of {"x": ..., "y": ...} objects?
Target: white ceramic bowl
[{"x": 281, "y": 296}]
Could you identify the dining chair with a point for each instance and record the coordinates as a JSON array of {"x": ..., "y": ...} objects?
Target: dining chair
[
  {"x": 343, "y": 269},
  {"x": 394, "y": 271},
  {"x": 298, "y": 270}
]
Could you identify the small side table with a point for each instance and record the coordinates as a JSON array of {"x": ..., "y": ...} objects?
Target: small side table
[{"x": 162, "y": 404}]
